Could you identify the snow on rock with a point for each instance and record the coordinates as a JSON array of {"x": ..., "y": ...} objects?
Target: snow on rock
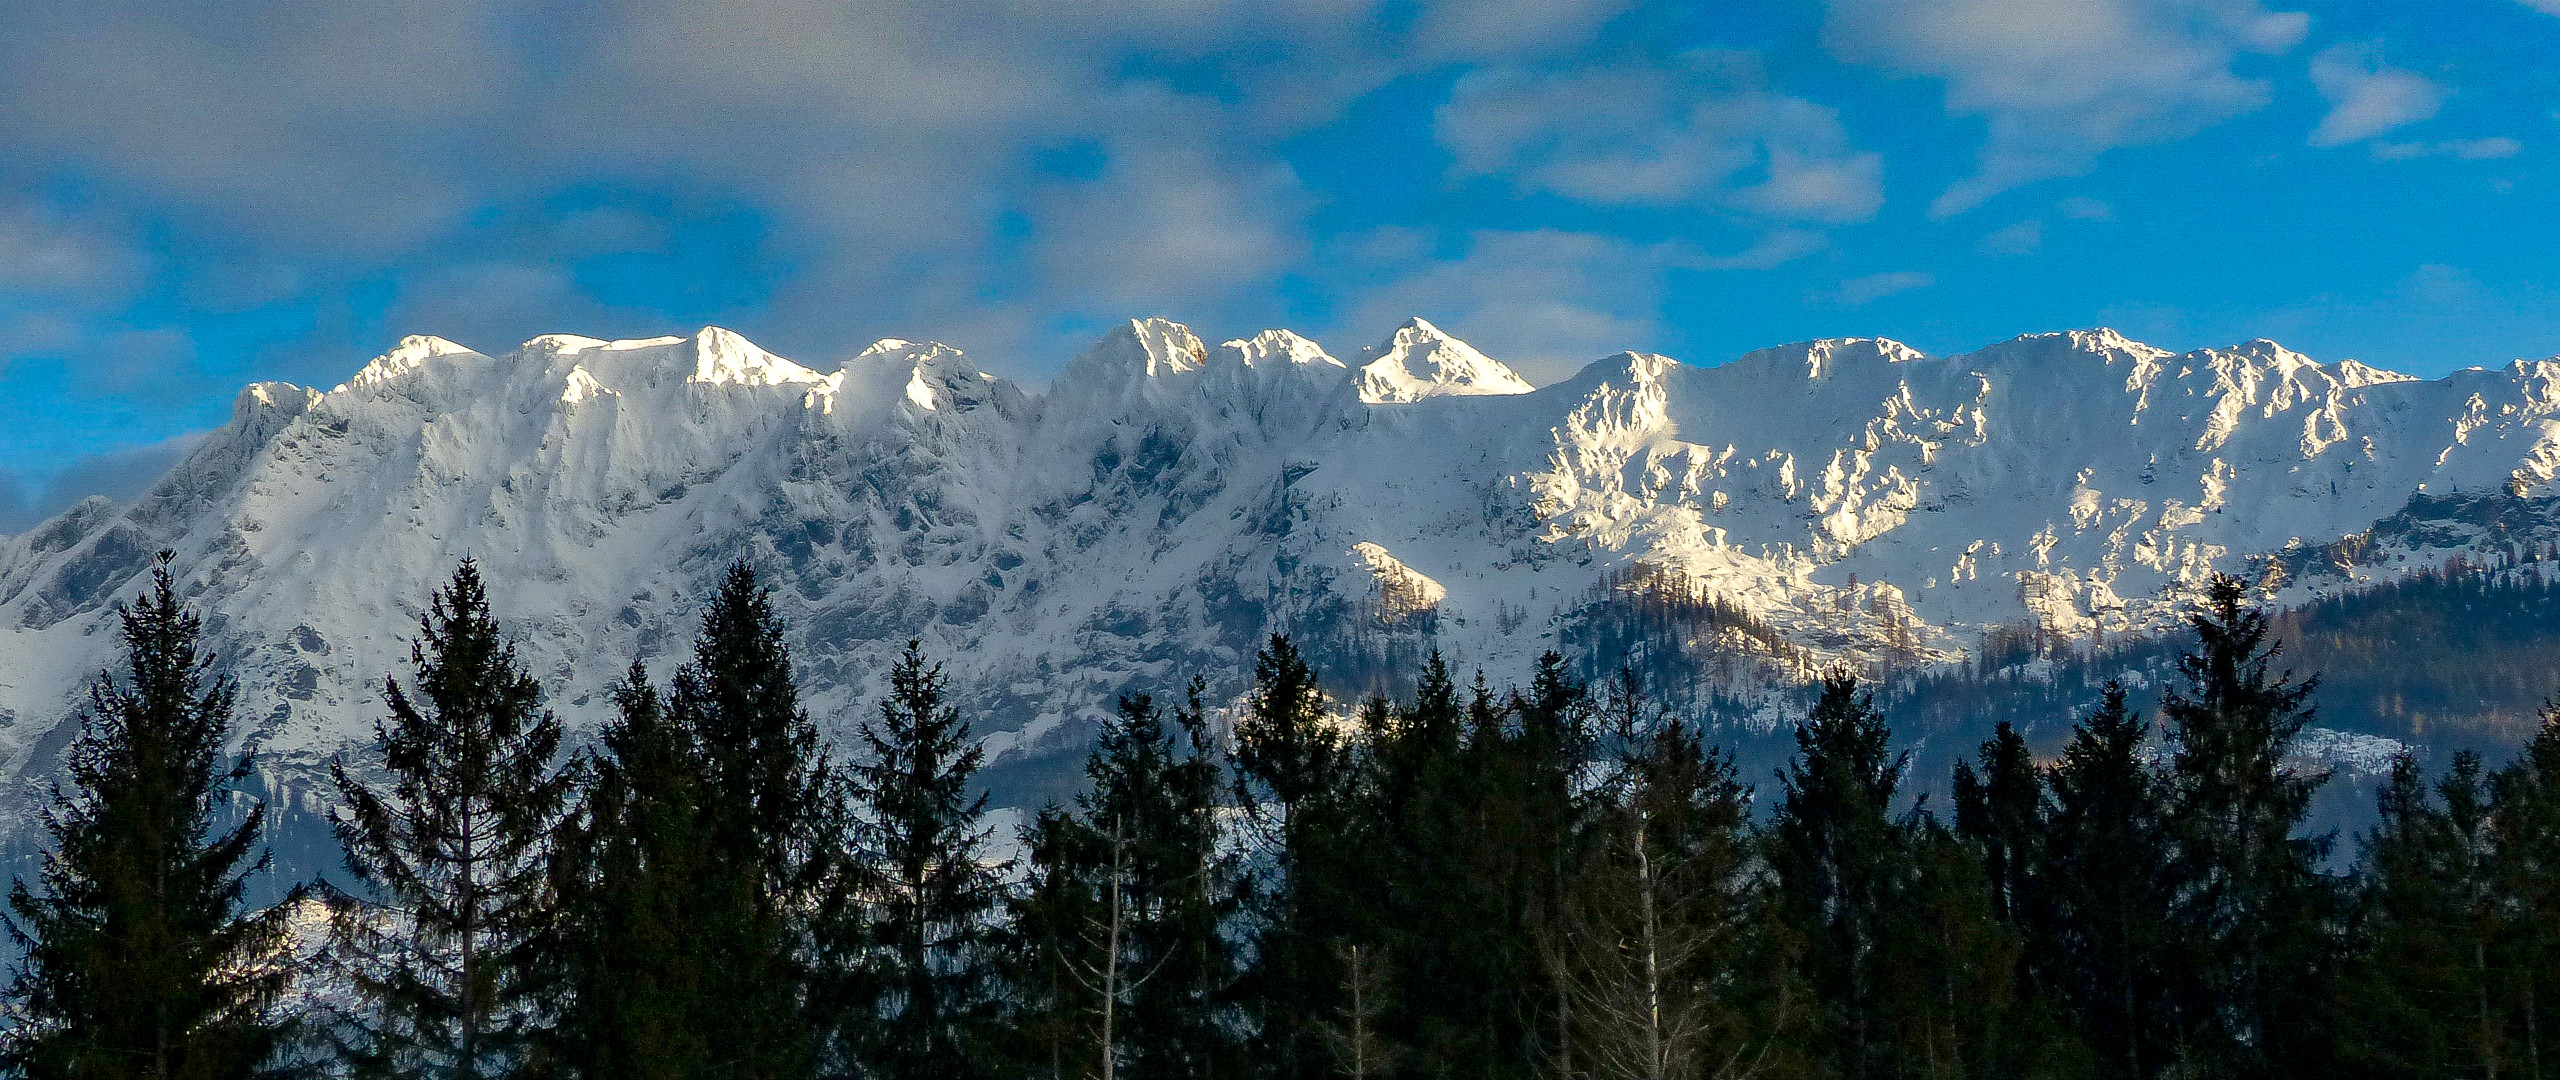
[
  {"x": 1419, "y": 361},
  {"x": 1402, "y": 593},
  {"x": 1165, "y": 505}
]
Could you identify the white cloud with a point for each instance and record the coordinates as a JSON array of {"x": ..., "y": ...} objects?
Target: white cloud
[
  {"x": 46, "y": 253},
  {"x": 2084, "y": 208},
  {"x": 1163, "y": 227},
  {"x": 2019, "y": 239},
  {"x": 1494, "y": 28},
  {"x": 2495, "y": 146},
  {"x": 882, "y": 151},
  {"x": 1546, "y": 299},
  {"x": 2547, "y": 7},
  {"x": 2366, "y": 97},
  {"x": 2438, "y": 285},
  {"x": 1775, "y": 247},
  {"x": 117, "y": 474},
  {"x": 2061, "y": 81},
  {"x": 1862, "y": 290},
  {"x": 1705, "y": 130}
]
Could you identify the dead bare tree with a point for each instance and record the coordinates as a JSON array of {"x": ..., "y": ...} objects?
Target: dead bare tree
[
  {"x": 1353, "y": 1031},
  {"x": 1651, "y": 952},
  {"x": 1105, "y": 976}
]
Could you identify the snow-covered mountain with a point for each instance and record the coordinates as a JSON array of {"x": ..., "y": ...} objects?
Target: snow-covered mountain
[{"x": 1164, "y": 504}]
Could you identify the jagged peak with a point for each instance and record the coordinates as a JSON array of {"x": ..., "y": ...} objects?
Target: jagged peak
[
  {"x": 1420, "y": 360},
  {"x": 2070, "y": 346},
  {"x": 273, "y": 396},
  {"x": 412, "y": 353},
  {"x": 1136, "y": 350},
  {"x": 933, "y": 376},
  {"x": 1629, "y": 368},
  {"x": 1285, "y": 348},
  {"x": 573, "y": 344},
  {"x": 2355, "y": 373},
  {"x": 724, "y": 356},
  {"x": 1821, "y": 358}
]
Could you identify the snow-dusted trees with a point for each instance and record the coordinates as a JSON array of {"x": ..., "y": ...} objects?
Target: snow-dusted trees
[
  {"x": 137, "y": 960},
  {"x": 453, "y": 852}
]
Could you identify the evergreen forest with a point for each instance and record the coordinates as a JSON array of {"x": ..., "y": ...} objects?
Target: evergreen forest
[{"x": 1564, "y": 878}]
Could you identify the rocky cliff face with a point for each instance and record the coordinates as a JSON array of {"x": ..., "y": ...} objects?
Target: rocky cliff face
[{"x": 1165, "y": 504}]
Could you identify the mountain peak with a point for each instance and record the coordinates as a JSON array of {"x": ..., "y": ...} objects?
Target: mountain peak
[
  {"x": 1823, "y": 358},
  {"x": 413, "y": 352},
  {"x": 1420, "y": 360},
  {"x": 937, "y": 377},
  {"x": 1279, "y": 348},
  {"x": 724, "y": 356},
  {"x": 1144, "y": 348}
]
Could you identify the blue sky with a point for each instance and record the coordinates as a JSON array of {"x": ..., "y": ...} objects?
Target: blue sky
[{"x": 193, "y": 199}]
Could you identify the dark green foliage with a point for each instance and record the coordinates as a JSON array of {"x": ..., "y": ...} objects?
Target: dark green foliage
[
  {"x": 2001, "y": 809},
  {"x": 2525, "y": 798},
  {"x": 1050, "y": 1026},
  {"x": 1304, "y": 898},
  {"x": 1479, "y": 827},
  {"x": 931, "y": 896},
  {"x": 1458, "y": 885},
  {"x": 2253, "y": 906},
  {"x": 1841, "y": 867},
  {"x": 442, "y": 952},
  {"x": 138, "y": 961},
  {"x": 770, "y": 812},
  {"x": 634, "y": 966},
  {"x": 1914, "y": 972},
  {"x": 2423, "y": 995},
  {"x": 2108, "y": 880},
  {"x": 1665, "y": 969},
  {"x": 1119, "y": 934}
]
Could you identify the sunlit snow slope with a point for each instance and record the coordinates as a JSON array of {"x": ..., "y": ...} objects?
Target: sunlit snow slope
[{"x": 1165, "y": 504}]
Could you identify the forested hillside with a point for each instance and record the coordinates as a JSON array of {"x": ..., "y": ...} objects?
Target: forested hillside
[{"x": 1566, "y": 878}]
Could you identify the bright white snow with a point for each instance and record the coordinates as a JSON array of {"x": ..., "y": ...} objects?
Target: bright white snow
[{"x": 1165, "y": 504}]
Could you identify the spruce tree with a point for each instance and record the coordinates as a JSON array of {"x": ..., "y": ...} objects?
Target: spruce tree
[
  {"x": 2525, "y": 811},
  {"x": 2108, "y": 876},
  {"x": 454, "y": 854},
  {"x": 1049, "y": 1028},
  {"x": 2423, "y": 995},
  {"x": 1293, "y": 779},
  {"x": 2254, "y": 906},
  {"x": 771, "y": 815},
  {"x": 1440, "y": 801},
  {"x": 136, "y": 958},
  {"x": 634, "y": 973},
  {"x": 2001, "y": 809},
  {"x": 1842, "y": 865},
  {"x": 1129, "y": 899},
  {"x": 933, "y": 895}
]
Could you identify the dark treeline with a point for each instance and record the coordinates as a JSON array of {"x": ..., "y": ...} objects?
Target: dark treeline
[{"x": 1559, "y": 880}]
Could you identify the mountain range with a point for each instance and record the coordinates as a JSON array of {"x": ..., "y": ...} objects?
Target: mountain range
[{"x": 1164, "y": 504}]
